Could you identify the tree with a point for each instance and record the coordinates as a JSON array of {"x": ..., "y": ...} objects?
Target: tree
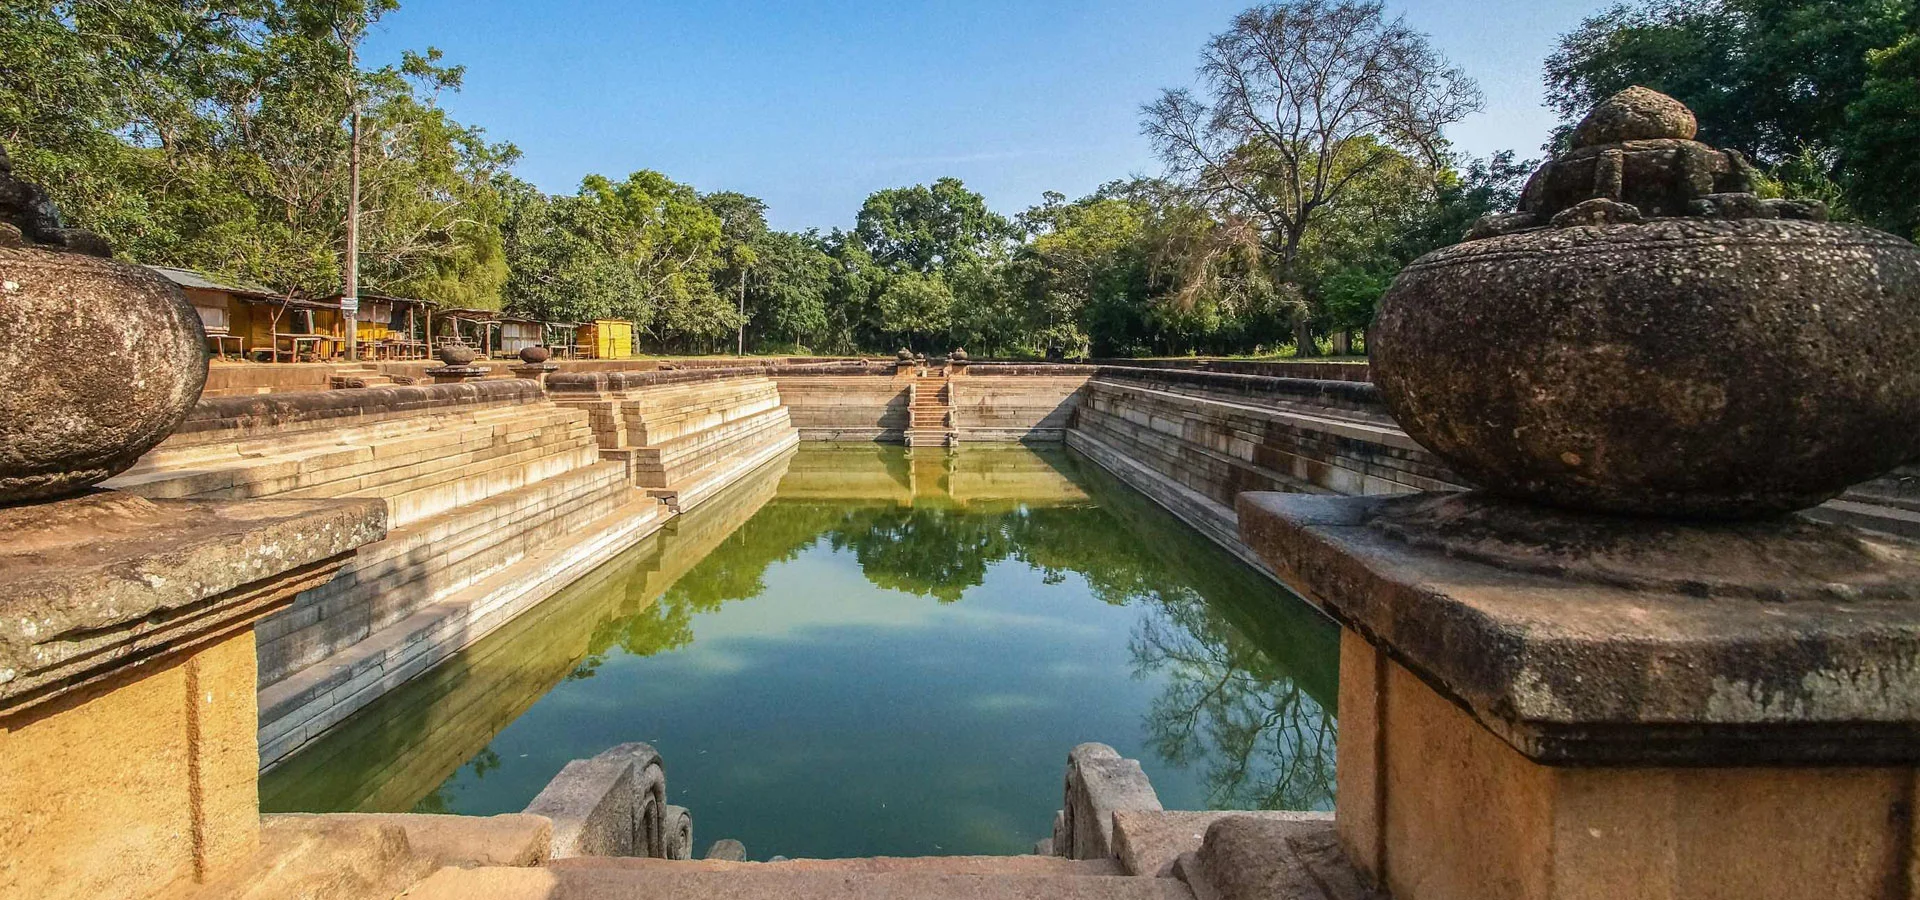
[
  {"x": 1396, "y": 216},
  {"x": 1086, "y": 253},
  {"x": 673, "y": 243},
  {"x": 214, "y": 136},
  {"x": 743, "y": 221},
  {"x": 1883, "y": 128},
  {"x": 1810, "y": 89},
  {"x": 787, "y": 290},
  {"x": 1300, "y": 101},
  {"x": 431, "y": 212},
  {"x": 926, "y": 229},
  {"x": 565, "y": 257},
  {"x": 917, "y": 308}
]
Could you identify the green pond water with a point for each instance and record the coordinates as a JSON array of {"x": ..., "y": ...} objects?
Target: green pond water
[{"x": 861, "y": 651}]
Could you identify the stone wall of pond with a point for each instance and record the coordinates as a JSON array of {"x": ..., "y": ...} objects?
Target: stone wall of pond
[
  {"x": 500, "y": 493},
  {"x": 1033, "y": 407},
  {"x": 683, "y": 434},
  {"x": 1193, "y": 440},
  {"x": 867, "y": 405},
  {"x": 495, "y": 498}
]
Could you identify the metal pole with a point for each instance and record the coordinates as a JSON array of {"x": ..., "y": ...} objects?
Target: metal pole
[{"x": 350, "y": 298}]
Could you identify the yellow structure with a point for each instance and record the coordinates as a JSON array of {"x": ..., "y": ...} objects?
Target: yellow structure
[{"x": 607, "y": 339}]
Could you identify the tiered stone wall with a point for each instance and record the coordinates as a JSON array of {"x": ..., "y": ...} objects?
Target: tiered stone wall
[
  {"x": 682, "y": 434},
  {"x": 500, "y": 492},
  {"x": 990, "y": 407},
  {"x": 1194, "y": 440},
  {"x": 864, "y": 404},
  {"x": 496, "y": 499},
  {"x": 1317, "y": 370}
]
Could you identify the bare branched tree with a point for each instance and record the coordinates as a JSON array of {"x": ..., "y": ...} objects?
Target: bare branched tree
[{"x": 1298, "y": 101}]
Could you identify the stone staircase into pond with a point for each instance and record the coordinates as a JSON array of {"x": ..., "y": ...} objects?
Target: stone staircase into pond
[
  {"x": 1113, "y": 840},
  {"x": 683, "y": 435},
  {"x": 930, "y": 411},
  {"x": 495, "y": 500}
]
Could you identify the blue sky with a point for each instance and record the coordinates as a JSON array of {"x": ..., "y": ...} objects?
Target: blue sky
[{"x": 813, "y": 105}]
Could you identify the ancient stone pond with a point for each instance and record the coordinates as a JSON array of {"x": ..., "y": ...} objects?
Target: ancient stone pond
[{"x": 864, "y": 650}]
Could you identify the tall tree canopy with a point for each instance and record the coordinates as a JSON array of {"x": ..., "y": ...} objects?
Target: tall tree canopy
[
  {"x": 1819, "y": 91},
  {"x": 1303, "y": 171},
  {"x": 1300, "y": 103},
  {"x": 928, "y": 228},
  {"x": 213, "y": 135}
]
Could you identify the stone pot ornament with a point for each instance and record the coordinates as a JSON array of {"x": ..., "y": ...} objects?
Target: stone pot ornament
[
  {"x": 107, "y": 358},
  {"x": 536, "y": 355},
  {"x": 1647, "y": 336},
  {"x": 457, "y": 355},
  {"x": 959, "y": 355},
  {"x": 905, "y": 355}
]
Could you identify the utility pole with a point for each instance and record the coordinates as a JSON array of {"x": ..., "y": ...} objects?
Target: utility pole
[
  {"x": 350, "y": 301},
  {"x": 350, "y": 297}
]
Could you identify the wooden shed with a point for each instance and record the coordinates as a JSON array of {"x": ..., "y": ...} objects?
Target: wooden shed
[
  {"x": 392, "y": 327},
  {"x": 607, "y": 339},
  {"x": 517, "y": 334},
  {"x": 224, "y": 306},
  {"x": 254, "y": 321}
]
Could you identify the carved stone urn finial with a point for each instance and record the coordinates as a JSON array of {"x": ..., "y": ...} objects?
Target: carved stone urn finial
[
  {"x": 109, "y": 358},
  {"x": 457, "y": 354},
  {"x": 1647, "y": 336}
]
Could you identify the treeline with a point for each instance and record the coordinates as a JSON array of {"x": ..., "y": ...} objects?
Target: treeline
[{"x": 1306, "y": 166}]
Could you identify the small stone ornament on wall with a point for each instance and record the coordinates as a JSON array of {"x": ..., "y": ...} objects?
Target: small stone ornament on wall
[{"x": 1647, "y": 336}]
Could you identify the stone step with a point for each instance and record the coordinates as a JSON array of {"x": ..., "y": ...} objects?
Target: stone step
[
  {"x": 423, "y": 562},
  {"x": 1871, "y": 516},
  {"x": 305, "y": 705},
  {"x": 1149, "y": 841},
  {"x": 614, "y": 882},
  {"x": 920, "y": 437},
  {"x": 370, "y": 596},
  {"x": 674, "y": 463},
  {"x": 950, "y": 865},
  {"x": 461, "y": 484},
  {"x": 319, "y": 465}
]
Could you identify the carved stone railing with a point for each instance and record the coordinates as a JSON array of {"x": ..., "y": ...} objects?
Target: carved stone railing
[
  {"x": 615, "y": 804},
  {"x": 1099, "y": 783}
]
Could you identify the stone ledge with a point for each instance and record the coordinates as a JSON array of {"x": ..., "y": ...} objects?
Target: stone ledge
[
  {"x": 96, "y": 582},
  {"x": 1148, "y": 842},
  {"x": 513, "y": 839},
  {"x": 216, "y": 418},
  {"x": 1584, "y": 673},
  {"x": 603, "y": 382}
]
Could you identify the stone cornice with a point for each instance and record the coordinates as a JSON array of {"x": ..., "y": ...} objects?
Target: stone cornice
[{"x": 93, "y": 584}]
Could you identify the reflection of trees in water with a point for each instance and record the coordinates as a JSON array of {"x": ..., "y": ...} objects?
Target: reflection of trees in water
[
  {"x": 1260, "y": 741},
  {"x": 437, "y": 802},
  {"x": 1243, "y": 669},
  {"x": 931, "y": 552}
]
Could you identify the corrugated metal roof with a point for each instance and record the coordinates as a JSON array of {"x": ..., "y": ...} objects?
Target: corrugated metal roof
[{"x": 188, "y": 278}]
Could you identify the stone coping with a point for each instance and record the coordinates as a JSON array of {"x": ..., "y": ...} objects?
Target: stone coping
[
  {"x": 215, "y": 418},
  {"x": 602, "y": 382},
  {"x": 1339, "y": 394},
  {"x": 97, "y": 582},
  {"x": 1318, "y": 369},
  {"x": 1577, "y": 672}
]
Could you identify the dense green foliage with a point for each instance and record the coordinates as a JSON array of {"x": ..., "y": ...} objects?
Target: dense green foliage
[
  {"x": 1302, "y": 172},
  {"x": 1821, "y": 92}
]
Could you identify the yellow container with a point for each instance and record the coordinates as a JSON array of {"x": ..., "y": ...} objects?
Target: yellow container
[{"x": 607, "y": 339}]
